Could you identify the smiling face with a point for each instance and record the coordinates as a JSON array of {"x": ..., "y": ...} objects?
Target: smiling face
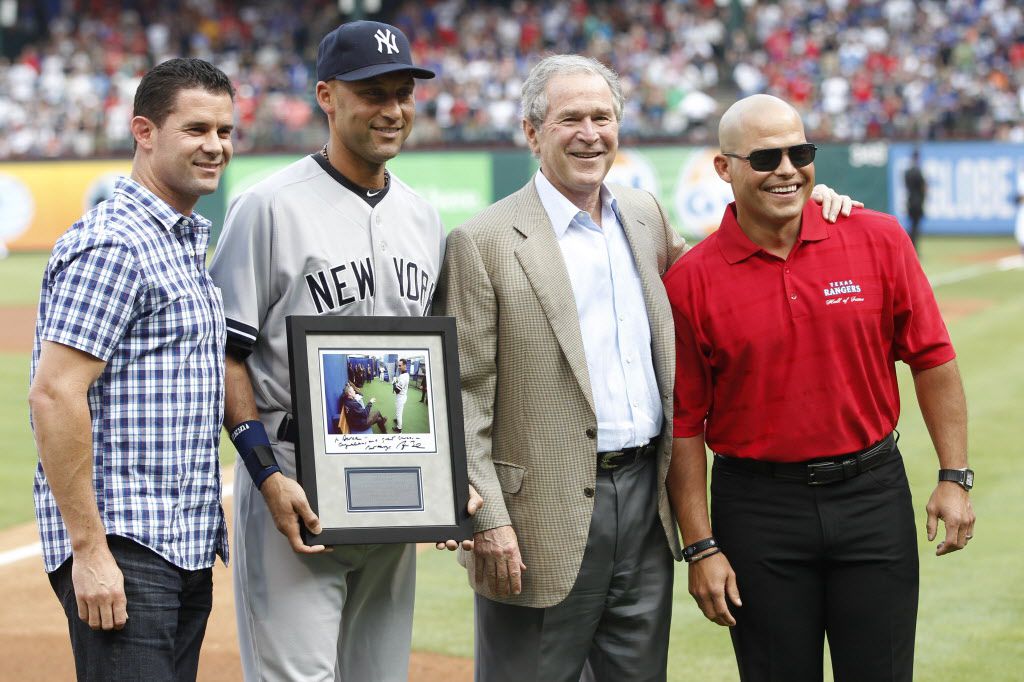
[
  {"x": 370, "y": 120},
  {"x": 769, "y": 200},
  {"x": 577, "y": 141},
  {"x": 183, "y": 158}
]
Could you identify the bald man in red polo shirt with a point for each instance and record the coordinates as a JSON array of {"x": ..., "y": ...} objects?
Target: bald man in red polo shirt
[{"x": 788, "y": 330}]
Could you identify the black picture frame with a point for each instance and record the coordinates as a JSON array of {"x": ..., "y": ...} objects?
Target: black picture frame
[{"x": 375, "y": 485}]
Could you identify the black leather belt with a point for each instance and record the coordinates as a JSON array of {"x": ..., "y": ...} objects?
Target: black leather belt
[
  {"x": 608, "y": 462},
  {"x": 819, "y": 471},
  {"x": 288, "y": 430}
]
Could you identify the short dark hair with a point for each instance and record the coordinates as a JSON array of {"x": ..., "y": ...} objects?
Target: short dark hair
[{"x": 159, "y": 88}]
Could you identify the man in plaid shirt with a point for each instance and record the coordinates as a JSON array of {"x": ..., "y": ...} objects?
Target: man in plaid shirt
[{"x": 127, "y": 394}]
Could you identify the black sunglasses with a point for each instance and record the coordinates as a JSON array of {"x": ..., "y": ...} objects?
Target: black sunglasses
[{"x": 764, "y": 160}]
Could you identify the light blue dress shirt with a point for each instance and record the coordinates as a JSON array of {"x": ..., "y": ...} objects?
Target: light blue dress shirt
[{"x": 613, "y": 318}]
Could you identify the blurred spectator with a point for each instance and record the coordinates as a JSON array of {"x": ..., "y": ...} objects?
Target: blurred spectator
[{"x": 857, "y": 69}]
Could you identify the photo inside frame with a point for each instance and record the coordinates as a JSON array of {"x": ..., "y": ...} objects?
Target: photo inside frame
[{"x": 377, "y": 400}]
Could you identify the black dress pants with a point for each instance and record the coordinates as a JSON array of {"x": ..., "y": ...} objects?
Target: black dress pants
[{"x": 836, "y": 560}]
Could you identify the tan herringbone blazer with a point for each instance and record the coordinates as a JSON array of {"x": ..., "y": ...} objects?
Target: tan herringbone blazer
[{"x": 529, "y": 412}]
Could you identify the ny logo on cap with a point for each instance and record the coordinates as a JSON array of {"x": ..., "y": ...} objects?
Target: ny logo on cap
[{"x": 386, "y": 39}]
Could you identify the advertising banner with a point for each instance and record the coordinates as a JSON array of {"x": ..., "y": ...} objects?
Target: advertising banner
[
  {"x": 40, "y": 200},
  {"x": 972, "y": 186},
  {"x": 858, "y": 170},
  {"x": 684, "y": 181}
]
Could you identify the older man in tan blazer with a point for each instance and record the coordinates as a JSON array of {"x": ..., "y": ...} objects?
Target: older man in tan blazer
[{"x": 567, "y": 356}]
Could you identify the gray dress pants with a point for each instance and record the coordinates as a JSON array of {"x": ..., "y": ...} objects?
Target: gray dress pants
[{"x": 615, "y": 620}]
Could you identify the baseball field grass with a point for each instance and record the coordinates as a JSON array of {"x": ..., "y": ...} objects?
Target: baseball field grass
[
  {"x": 971, "y": 619},
  {"x": 414, "y": 416}
]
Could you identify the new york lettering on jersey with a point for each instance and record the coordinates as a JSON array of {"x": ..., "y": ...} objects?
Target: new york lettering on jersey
[
  {"x": 340, "y": 285},
  {"x": 336, "y": 287},
  {"x": 413, "y": 282}
]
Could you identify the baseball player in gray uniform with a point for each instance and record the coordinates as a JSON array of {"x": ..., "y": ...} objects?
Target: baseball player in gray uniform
[{"x": 332, "y": 234}]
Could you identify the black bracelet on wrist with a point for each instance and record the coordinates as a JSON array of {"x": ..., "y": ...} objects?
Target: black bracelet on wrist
[
  {"x": 702, "y": 557},
  {"x": 698, "y": 547}
]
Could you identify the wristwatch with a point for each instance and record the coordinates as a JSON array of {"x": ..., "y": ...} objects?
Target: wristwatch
[{"x": 962, "y": 477}]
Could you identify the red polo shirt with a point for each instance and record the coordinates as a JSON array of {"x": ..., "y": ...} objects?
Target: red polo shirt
[{"x": 793, "y": 359}]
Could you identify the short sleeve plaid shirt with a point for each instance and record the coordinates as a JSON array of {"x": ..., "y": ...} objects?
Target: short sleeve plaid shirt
[{"x": 128, "y": 284}]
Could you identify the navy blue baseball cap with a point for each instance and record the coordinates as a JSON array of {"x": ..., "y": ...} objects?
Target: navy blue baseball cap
[{"x": 364, "y": 49}]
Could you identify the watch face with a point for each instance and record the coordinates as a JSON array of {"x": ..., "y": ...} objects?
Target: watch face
[{"x": 969, "y": 478}]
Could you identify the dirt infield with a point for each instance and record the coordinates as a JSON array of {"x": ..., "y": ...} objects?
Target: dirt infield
[
  {"x": 988, "y": 255},
  {"x": 957, "y": 308},
  {"x": 34, "y": 643},
  {"x": 17, "y": 328}
]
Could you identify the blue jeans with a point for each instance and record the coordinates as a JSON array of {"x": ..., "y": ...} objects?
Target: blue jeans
[{"x": 167, "y": 612}]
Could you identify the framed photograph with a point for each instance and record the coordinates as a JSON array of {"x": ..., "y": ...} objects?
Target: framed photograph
[{"x": 381, "y": 451}]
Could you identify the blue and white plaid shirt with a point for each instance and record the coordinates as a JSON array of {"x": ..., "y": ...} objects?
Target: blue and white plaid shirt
[{"x": 128, "y": 285}]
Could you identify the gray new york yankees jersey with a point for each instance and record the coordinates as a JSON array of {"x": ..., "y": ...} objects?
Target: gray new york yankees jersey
[{"x": 301, "y": 243}]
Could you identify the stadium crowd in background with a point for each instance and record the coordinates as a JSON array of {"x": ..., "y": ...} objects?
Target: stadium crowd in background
[{"x": 856, "y": 69}]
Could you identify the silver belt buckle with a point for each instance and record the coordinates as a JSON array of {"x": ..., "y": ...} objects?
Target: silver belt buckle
[{"x": 811, "y": 471}]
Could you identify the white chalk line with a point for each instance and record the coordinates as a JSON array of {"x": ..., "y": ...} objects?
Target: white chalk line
[
  {"x": 1001, "y": 265},
  {"x": 35, "y": 549},
  {"x": 20, "y": 553}
]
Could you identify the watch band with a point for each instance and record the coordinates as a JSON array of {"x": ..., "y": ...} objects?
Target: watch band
[{"x": 962, "y": 477}]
